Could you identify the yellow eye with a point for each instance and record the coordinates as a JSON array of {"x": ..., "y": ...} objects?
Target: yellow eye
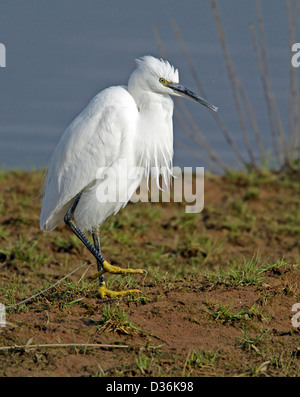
[{"x": 162, "y": 81}]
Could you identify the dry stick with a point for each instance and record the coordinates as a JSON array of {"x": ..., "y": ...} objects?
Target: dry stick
[
  {"x": 253, "y": 122},
  {"x": 188, "y": 149},
  {"x": 189, "y": 60},
  {"x": 83, "y": 275},
  {"x": 28, "y": 346},
  {"x": 298, "y": 20},
  {"x": 294, "y": 106},
  {"x": 197, "y": 138},
  {"x": 234, "y": 80},
  {"x": 45, "y": 290},
  {"x": 262, "y": 77},
  {"x": 184, "y": 109},
  {"x": 188, "y": 57},
  {"x": 190, "y": 134},
  {"x": 274, "y": 113},
  {"x": 298, "y": 15},
  {"x": 215, "y": 115},
  {"x": 296, "y": 145},
  {"x": 159, "y": 43},
  {"x": 187, "y": 130}
]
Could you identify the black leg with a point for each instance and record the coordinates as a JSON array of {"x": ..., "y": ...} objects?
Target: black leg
[
  {"x": 97, "y": 245},
  {"x": 102, "y": 264},
  {"x": 69, "y": 220}
]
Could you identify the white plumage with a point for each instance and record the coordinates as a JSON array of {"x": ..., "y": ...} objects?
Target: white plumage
[
  {"x": 123, "y": 134},
  {"x": 132, "y": 123}
]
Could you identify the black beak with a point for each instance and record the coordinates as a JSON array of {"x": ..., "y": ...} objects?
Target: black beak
[{"x": 183, "y": 91}]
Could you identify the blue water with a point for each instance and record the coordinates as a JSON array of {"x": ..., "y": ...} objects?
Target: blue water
[{"x": 59, "y": 54}]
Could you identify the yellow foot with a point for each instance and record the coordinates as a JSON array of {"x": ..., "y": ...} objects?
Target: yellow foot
[
  {"x": 105, "y": 292},
  {"x": 107, "y": 267}
]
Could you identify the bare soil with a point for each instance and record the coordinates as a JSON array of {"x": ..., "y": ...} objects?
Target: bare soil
[{"x": 199, "y": 313}]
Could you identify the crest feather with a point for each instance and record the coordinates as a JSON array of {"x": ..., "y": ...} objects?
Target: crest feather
[{"x": 158, "y": 68}]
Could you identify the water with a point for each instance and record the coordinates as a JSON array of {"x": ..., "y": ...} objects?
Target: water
[{"x": 59, "y": 54}]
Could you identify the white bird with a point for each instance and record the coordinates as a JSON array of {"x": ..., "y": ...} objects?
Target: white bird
[{"x": 121, "y": 131}]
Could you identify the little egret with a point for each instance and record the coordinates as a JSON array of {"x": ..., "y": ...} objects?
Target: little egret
[{"x": 132, "y": 124}]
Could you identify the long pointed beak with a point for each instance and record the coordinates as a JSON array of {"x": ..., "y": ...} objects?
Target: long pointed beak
[{"x": 183, "y": 91}]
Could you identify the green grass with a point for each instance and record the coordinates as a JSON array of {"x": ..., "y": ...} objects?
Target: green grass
[
  {"x": 225, "y": 313},
  {"x": 200, "y": 359},
  {"x": 199, "y": 265},
  {"x": 143, "y": 363},
  {"x": 249, "y": 342},
  {"x": 114, "y": 319},
  {"x": 250, "y": 272}
]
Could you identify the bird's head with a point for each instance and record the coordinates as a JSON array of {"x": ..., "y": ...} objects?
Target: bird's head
[{"x": 158, "y": 76}]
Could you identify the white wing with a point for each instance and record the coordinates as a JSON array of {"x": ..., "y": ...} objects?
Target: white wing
[{"x": 94, "y": 139}]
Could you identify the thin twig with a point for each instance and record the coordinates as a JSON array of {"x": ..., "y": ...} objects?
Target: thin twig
[
  {"x": 294, "y": 105},
  {"x": 298, "y": 24},
  {"x": 199, "y": 138},
  {"x": 188, "y": 57},
  {"x": 215, "y": 115},
  {"x": 274, "y": 113},
  {"x": 92, "y": 345},
  {"x": 83, "y": 274},
  {"x": 276, "y": 149},
  {"x": 159, "y": 42},
  {"x": 189, "y": 149},
  {"x": 46, "y": 289},
  {"x": 233, "y": 78}
]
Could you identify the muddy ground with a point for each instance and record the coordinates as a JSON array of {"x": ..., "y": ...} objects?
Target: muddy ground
[{"x": 217, "y": 298}]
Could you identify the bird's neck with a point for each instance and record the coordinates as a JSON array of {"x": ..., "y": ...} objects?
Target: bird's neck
[{"x": 154, "y": 134}]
